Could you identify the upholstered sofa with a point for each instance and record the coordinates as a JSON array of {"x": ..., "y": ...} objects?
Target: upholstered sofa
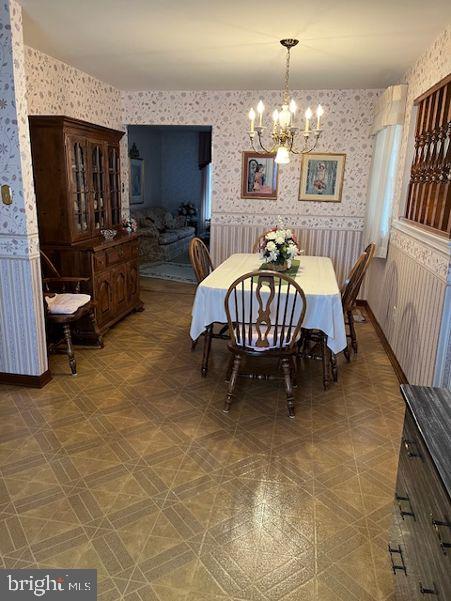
[{"x": 161, "y": 235}]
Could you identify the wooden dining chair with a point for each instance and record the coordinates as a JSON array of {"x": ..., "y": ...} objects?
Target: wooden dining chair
[
  {"x": 64, "y": 304},
  {"x": 265, "y": 311},
  {"x": 202, "y": 265},
  {"x": 200, "y": 259},
  {"x": 350, "y": 292},
  {"x": 258, "y": 242}
]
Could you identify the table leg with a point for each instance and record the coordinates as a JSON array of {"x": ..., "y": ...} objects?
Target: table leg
[
  {"x": 325, "y": 355},
  {"x": 207, "y": 347}
]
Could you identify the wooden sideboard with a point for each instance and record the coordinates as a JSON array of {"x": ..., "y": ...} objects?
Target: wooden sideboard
[
  {"x": 76, "y": 168},
  {"x": 420, "y": 543}
]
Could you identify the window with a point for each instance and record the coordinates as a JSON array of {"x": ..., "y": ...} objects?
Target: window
[{"x": 429, "y": 191}]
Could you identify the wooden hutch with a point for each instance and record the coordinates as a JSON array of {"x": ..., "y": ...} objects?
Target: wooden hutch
[{"x": 76, "y": 168}]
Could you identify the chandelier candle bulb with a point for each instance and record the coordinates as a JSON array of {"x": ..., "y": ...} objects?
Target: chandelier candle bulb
[
  {"x": 260, "y": 110},
  {"x": 252, "y": 118},
  {"x": 319, "y": 113},
  {"x": 293, "y": 109},
  {"x": 308, "y": 116}
]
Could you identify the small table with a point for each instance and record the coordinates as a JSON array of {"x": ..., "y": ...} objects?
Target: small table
[{"x": 316, "y": 276}]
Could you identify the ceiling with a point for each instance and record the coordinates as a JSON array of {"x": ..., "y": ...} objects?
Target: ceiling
[{"x": 231, "y": 44}]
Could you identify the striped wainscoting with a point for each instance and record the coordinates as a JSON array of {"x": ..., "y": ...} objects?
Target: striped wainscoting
[
  {"x": 342, "y": 246},
  {"x": 407, "y": 298},
  {"x": 22, "y": 332}
]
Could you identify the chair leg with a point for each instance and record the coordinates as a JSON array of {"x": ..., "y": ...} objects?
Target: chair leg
[
  {"x": 232, "y": 383},
  {"x": 325, "y": 358},
  {"x": 346, "y": 352},
  {"x": 286, "y": 368},
  {"x": 194, "y": 344},
  {"x": 229, "y": 369},
  {"x": 352, "y": 331},
  {"x": 207, "y": 347},
  {"x": 333, "y": 364},
  {"x": 92, "y": 317},
  {"x": 294, "y": 370},
  {"x": 69, "y": 349}
]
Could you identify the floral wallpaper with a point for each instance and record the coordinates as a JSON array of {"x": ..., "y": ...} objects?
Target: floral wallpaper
[
  {"x": 18, "y": 220},
  {"x": 347, "y": 123},
  {"x": 55, "y": 88}
]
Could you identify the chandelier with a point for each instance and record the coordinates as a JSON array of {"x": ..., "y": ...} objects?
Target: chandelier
[{"x": 285, "y": 129}]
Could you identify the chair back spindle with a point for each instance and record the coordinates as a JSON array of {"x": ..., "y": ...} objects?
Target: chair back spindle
[{"x": 200, "y": 259}]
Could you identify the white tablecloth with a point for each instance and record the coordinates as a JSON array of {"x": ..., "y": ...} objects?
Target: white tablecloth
[{"x": 316, "y": 276}]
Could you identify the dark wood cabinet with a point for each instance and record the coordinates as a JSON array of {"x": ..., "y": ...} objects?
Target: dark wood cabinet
[
  {"x": 420, "y": 545},
  {"x": 76, "y": 168}
]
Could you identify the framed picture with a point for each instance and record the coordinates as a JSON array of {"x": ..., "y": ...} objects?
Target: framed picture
[
  {"x": 322, "y": 177},
  {"x": 136, "y": 181},
  {"x": 259, "y": 176}
]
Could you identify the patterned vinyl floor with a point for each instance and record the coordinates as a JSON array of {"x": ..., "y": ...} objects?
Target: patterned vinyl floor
[{"x": 132, "y": 468}]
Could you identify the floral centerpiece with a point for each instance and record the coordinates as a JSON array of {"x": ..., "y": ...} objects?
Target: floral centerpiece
[
  {"x": 129, "y": 225},
  {"x": 278, "y": 248}
]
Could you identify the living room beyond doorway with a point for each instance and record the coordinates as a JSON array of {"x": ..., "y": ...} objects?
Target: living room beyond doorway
[{"x": 170, "y": 195}]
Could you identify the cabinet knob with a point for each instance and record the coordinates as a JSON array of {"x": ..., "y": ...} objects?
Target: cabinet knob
[
  {"x": 437, "y": 524},
  {"x": 411, "y": 448},
  {"x": 425, "y": 590}
]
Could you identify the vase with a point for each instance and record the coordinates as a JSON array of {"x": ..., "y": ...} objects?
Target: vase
[{"x": 277, "y": 266}]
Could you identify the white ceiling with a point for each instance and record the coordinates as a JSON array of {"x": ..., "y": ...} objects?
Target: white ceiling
[{"x": 233, "y": 44}]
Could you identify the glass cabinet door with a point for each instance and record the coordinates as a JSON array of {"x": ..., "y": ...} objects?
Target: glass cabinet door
[
  {"x": 97, "y": 155},
  {"x": 114, "y": 184},
  {"x": 79, "y": 187}
]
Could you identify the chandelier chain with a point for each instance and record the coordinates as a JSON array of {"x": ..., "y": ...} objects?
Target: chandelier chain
[{"x": 286, "y": 93}]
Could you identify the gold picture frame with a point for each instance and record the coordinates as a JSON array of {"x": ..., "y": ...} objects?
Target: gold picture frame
[
  {"x": 259, "y": 175},
  {"x": 322, "y": 175}
]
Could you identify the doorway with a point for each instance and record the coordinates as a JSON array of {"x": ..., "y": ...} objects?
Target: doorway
[{"x": 170, "y": 195}]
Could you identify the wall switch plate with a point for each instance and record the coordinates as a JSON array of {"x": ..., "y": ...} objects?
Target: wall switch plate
[{"x": 6, "y": 195}]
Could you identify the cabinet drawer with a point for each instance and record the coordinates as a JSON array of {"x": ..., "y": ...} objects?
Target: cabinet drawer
[
  {"x": 99, "y": 261},
  {"x": 118, "y": 254}
]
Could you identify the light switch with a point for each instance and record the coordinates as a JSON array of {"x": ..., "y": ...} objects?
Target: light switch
[{"x": 6, "y": 195}]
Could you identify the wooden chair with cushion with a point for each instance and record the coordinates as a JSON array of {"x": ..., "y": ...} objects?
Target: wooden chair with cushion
[
  {"x": 64, "y": 308},
  {"x": 265, "y": 310},
  {"x": 350, "y": 291},
  {"x": 203, "y": 266}
]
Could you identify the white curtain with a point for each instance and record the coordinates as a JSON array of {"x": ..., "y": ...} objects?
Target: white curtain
[
  {"x": 205, "y": 206},
  {"x": 387, "y": 131}
]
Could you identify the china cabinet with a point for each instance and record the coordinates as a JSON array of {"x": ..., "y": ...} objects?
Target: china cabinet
[{"x": 76, "y": 167}]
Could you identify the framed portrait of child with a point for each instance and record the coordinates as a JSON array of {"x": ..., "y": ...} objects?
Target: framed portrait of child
[
  {"x": 259, "y": 175},
  {"x": 322, "y": 177}
]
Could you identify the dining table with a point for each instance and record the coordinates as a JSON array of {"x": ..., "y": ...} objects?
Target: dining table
[{"x": 315, "y": 275}]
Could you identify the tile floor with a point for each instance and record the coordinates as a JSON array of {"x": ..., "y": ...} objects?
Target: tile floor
[{"x": 132, "y": 468}]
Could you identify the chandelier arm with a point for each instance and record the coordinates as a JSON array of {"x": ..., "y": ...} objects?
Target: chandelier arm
[
  {"x": 306, "y": 149},
  {"x": 265, "y": 151},
  {"x": 261, "y": 144}
]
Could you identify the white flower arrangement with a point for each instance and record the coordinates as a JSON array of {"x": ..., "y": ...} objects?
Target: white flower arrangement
[{"x": 279, "y": 246}]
